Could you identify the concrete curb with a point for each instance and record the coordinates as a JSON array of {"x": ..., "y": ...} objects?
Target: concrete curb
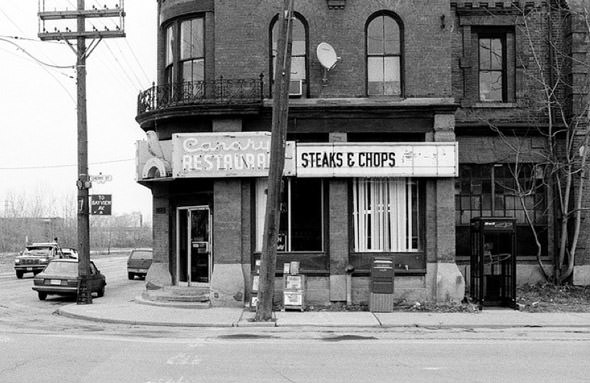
[
  {"x": 276, "y": 324},
  {"x": 67, "y": 314}
]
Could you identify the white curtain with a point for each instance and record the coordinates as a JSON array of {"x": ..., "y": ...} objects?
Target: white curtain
[{"x": 382, "y": 214}]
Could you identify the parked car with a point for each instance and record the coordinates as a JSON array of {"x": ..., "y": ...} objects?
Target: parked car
[
  {"x": 61, "y": 277},
  {"x": 139, "y": 262},
  {"x": 35, "y": 258},
  {"x": 69, "y": 252}
]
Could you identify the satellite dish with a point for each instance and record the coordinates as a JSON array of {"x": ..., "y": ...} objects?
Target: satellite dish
[{"x": 326, "y": 55}]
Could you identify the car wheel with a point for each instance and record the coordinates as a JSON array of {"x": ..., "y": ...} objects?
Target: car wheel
[
  {"x": 131, "y": 275},
  {"x": 100, "y": 292},
  {"x": 42, "y": 295},
  {"x": 19, "y": 274}
]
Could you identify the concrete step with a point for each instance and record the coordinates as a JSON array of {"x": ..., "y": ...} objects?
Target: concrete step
[
  {"x": 178, "y": 294},
  {"x": 147, "y": 300}
]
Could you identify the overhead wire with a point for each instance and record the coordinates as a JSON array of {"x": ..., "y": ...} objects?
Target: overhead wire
[
  {"x": 131, "y": 50},
  {"x": 133, "y": 85},
  {"x": 34, "y": 167},
  {"x": 41, "y": 63},
  {"x": 43, "y": 66},
  {"x": 31, "y": 39},
  {"x": 35, "y": 58}
]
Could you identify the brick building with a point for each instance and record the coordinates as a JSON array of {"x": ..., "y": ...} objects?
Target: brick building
[{"x": 384, "y": 149}]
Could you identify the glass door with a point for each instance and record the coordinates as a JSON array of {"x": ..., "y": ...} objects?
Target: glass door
[{"x": 193, "y": 246}]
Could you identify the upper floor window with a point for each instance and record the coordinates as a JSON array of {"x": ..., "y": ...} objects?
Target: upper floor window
[
  {"x": 492, "y": 68},
  {"x": 184, "y": 58},
  {"x": 169, "y": 57},
  {"x": 384, "y": 56},
  {"x": 298, "y": 52},
  {"x": 488, "y": 62},
  {"x": 192, "y": 50}
]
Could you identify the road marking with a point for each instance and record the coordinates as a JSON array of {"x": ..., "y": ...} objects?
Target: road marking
[
  {"x": 184, "y": 359},
  {"x": 168, "y": 380}
]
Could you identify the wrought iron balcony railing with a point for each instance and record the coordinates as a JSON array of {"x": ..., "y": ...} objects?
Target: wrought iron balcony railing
[{"x": 220, "y": 91}]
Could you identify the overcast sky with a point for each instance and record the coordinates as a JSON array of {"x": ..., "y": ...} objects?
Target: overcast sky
[{"x": 38, "y": 141}]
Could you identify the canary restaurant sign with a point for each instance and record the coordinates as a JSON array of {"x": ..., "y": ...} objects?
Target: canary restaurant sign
[
  {"x": 420, "y": 159},
  {"x": 236, "y": 154}
]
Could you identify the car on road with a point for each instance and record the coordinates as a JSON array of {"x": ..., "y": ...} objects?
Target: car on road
[
  {"x": 139, "y": 262},
  {"x": 35, "y": 258},
  {"x": 61, "y": 277},
  {"x": 69, "y": 252}
]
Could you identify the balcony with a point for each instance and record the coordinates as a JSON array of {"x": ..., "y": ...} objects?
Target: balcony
[{"x": 219, "y": 96}]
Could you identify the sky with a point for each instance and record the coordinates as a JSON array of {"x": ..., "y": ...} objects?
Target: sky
[{"x": 38, "y": 124}]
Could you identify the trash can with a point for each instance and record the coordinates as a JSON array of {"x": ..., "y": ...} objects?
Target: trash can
[{"x": 381, "y": 285}]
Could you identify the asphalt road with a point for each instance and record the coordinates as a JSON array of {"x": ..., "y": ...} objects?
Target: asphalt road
[{"x": 38, "y": 346}]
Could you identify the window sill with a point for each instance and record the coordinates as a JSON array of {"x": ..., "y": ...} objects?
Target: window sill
[{"x": 494, "y": 105}]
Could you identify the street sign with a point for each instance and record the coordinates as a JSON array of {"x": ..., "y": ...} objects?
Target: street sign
[
  {"x": 101, "y": 178},
  {"x": 100, "y": 204}
]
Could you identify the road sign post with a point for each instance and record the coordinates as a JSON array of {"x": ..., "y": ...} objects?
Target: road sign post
[{"x": 81, "y": 15}]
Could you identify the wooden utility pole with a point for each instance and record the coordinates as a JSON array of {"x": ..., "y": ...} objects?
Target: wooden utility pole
[
  {"x": 280, "y": 113},
  {"x": 59, "y": 18}
]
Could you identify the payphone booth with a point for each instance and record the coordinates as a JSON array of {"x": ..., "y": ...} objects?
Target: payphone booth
[{"x": 493, "y": 261}]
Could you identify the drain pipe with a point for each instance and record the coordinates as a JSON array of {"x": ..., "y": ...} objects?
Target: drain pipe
[{"x": 349, "y": 270}]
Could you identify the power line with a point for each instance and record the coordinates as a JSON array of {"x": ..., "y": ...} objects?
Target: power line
[
  {"x": 35, "y": 40},
  {"x": 51, "y": 74},
  {"x": 138, "y": 84},
  {"x": 138, "y": 62},
  {"x": 34, "y": 58},
  {"x": 11, "y": 21},
  {"x": 64, "y": 166}
]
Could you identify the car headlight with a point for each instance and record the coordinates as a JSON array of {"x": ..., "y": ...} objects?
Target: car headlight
[
  {"x": 43, "y": 260},
  {"x": 17, "y": 260}
]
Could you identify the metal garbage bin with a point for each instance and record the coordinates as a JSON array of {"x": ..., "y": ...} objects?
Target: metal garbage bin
[{"x": 381, "y": 285}]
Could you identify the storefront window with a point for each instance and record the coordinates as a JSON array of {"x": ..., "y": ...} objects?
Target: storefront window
[
  {"x": 302, "y": 218},
  {"x": 492, "y": 190},
  {"x": 386, "y": 215}
]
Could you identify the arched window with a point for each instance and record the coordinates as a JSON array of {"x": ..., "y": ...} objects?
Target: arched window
[
  {"x": 298, "y": 53},
  {"x": 384, "y": 55}
]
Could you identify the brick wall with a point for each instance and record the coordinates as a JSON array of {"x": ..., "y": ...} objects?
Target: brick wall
[{"x": 242, "y": 43}]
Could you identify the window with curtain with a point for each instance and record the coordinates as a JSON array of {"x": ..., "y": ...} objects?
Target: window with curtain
[
  {"x": 192, "y": 50},
  {"x": 302, "y": 218},
  {"x": 169, "y": 56},
  {"x": 384, "y": 45},
  {"x": 386, "y": 215},
  {"x": 298, "y": 49}
]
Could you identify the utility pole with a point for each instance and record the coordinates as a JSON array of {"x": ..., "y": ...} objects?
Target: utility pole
[
  {"x": 62, "y": 19},
  {"x": 280, "y": 114}
]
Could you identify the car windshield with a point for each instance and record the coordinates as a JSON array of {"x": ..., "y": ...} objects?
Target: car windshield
[
  {"x": 37, "y": 250},
  {"x": 62, "y": 268},
  {"x": 141, "y": 254}
]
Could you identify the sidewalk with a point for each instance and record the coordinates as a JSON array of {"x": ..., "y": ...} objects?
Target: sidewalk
[{"x": 131, "y": 311}]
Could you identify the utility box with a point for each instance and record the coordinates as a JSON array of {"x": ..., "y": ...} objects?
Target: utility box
[
  {"x": 381, "y": 285},
  {"x": 293, "y": 287}
]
